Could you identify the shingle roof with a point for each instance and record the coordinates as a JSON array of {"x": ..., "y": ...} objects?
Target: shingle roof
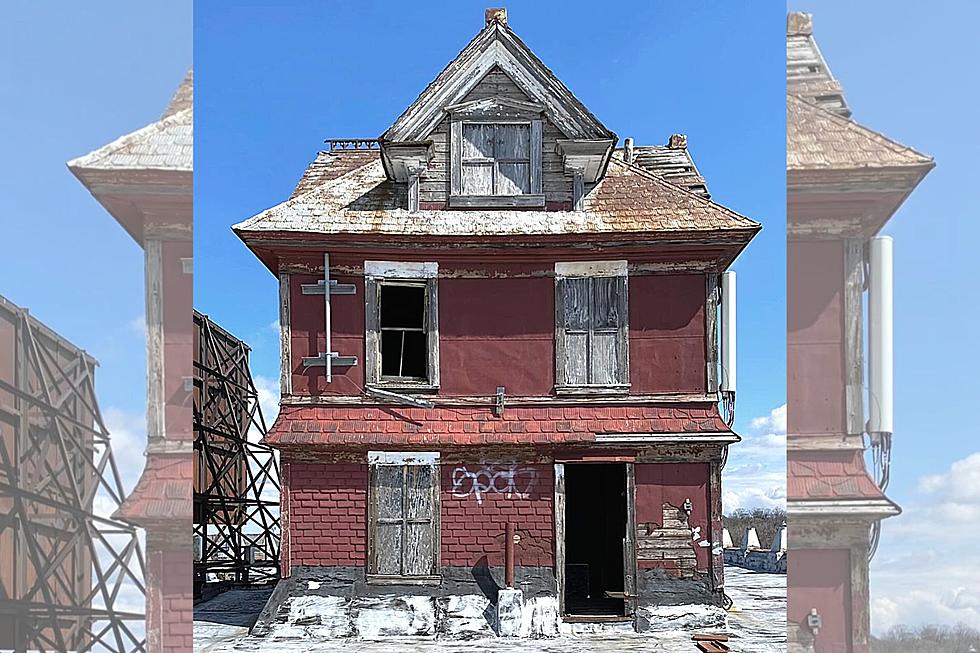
[
  {"x": 674, "y": 164},
  {"x": 360, "y": 425},
  {"x": 822, "y": 475},
  {"x": 327, "y": 166},
  {"x": 167, "y": 144},
  {"x": 807, "y": 73},
  {"x": 819, "y": 139},
  {"x": 629, "y": 199}
]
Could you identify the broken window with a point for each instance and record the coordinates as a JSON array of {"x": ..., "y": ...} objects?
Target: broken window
[
  {"x": 404, "y": 354},
  {"x": 404, "y": 509},
  {"x": 402, "y": 336},
  {"x": 592, "y": 333}
]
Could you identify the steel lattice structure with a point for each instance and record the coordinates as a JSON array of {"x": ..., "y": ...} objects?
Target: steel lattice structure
[
  {"x": 236, "y": 478},
  {"x": 66, "y": 565}
]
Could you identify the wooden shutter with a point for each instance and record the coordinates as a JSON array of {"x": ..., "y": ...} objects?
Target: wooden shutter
[
  {"x": 405, "y": 517},
  {"x": 593, "y": 347}
]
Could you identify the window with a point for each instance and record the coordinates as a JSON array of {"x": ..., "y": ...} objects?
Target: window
[
  {"x": 496, "y": 164},
  {"x": 592, "y": 327},
  {"x": 496, "y": 159},
  {"x": 403, "y": 537},
  {"x": 402, "y": 333}
]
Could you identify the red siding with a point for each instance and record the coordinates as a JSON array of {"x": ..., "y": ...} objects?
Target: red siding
[
  {"x": 660, "y": 483},
  {"x": 667, "y": 333},
  {"x": 822, "y": 580},
  {"x": 815, "y": 338},
  {"x": 498, "y": 331},
  {"x": 327, "y": 514},
  {"x": 477, "y": 506}
]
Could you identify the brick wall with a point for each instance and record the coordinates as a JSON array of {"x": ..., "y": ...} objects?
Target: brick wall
[
  {"x": 477, "y": 500},
  {"x": 327, "y": 514},
  {"x": 169, "y": 594}
]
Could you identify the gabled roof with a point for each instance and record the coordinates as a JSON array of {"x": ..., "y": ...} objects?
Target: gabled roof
[
  {"x": 807, "y": 72},
  {"x": 629, "y": 199},
  {"x": 818, "y": 139},
  {"x": 496, "y": 46}
]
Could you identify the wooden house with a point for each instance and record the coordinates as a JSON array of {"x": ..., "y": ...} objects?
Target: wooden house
[
  {"x": 492, "y": 314},
  {"x": 844, "y": 182}
]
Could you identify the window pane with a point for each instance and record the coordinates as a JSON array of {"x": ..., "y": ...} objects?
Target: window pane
[
  {"x": 575, "y": 297},
  {"x": 418, "y": 503},
  {"x": 418, "y": 549},
  {"x": 388, "y": 548},
  {"x": 478, "y": 141},
  {"x": 477, "y": 179},
  {"x": 402, "y": 306},
  {"x": 390, "y": 480},
  {"x": 415, "y": 355},
  {"x": 576, "y": 358},
  {"x": 513, "y": 179},
  {"x": 604, "y": 359},
  {"x": 513, "y": 142},
  {"x": 605, "y": 302}
]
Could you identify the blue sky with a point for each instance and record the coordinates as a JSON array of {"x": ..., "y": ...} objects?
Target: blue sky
[
  {"x": 909, "y": 71},
  {"x": 273, "y": 80},
  {"x": 73, "y": 77}
]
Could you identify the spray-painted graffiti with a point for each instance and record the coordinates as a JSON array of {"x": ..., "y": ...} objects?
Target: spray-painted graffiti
[{"x": 510, "y": 480}]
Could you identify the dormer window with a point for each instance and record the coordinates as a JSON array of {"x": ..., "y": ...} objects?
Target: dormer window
[{"x": 495, "y": 152}]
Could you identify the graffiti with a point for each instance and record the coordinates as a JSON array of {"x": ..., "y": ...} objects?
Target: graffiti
[{"x": 509, "y": 480}]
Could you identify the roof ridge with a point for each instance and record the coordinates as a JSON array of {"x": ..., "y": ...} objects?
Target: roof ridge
[
  {"x": 643, "y": 172},
  {"x": 105, "y": 151},
  {"x": 865, "y": 131}
]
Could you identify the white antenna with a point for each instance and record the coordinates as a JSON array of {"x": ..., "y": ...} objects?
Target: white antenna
[
  {"x": 728, "y": 332},
  {"x": 880, "y": 339}
]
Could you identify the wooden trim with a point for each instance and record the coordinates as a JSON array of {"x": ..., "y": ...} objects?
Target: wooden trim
[
  {"x": 560, "y": 535},
  {"x": 711, "y": 331},
  {"x": 372, "y": 331},
  {"x": 623, "y": 338},
  {"x": 432, "y": 329},
  {"x": 456, "y": 157},
  {"x": 630, "y": 567},
  {"x": 853, "y": 333},
  {"x": 378, "y": 579},
  {"x": 512, "y": 401},
  {"x": 536, "y": 170},
  {"x": 618, "y": 389},
  {"x": 529, "y": 200},
  {"x": 578, "y": 191},
  {"x": 156, "y": 398},
  {"x": 285, "y": 336}
]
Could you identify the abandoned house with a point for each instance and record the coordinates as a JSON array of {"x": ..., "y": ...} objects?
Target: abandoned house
[{"x": 502, "y": 391}]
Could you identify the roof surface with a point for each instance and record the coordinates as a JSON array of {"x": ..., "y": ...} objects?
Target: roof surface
[
  {"x": 167, "y": 144},
  {"x": 674, "y": 164},
  {"x": 826, "y": 475},
  {"x": 361, "y": 200},
  {"x": 326, "y": 425},
  {"x": 820, "y": 139}
]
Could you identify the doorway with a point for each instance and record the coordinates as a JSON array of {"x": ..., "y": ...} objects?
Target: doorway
[{"x": 595, "y": 536}]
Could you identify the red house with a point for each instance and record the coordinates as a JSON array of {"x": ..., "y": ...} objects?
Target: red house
[{"x": 491, "y": 315}]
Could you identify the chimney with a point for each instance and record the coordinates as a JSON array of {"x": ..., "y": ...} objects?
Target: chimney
[
  {"x": 799, "y": 24},
  {"x": 496, "y": 15},
  {"x": 628, "y": 155},
  {"x": 677, "y": 142}
]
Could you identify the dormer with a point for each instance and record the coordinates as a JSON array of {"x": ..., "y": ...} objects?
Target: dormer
[{"x": 496, "y": 130}]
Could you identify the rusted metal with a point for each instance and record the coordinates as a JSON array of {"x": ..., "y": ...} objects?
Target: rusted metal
[
  {"x": 348, "y": 144},
  {"x": 509, "y": 555}
]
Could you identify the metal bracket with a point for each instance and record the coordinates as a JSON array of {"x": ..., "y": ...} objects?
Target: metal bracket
[
  {"x": 336, "y": 360},
  {"x": 335, "y": 288},
  {"x": 498, "y": 407},
  {"x": 328, "y": 359}
]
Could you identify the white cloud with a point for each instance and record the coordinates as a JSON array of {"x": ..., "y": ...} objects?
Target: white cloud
[
  {"x": 137, "y": 326},
  {"x": 127, "y": 436},
  {"x": 755, "y": 476},
  {"x": 927, "y": 570}
]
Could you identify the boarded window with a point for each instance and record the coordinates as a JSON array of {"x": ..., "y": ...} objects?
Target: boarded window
[
  {"x": 592, "y": 331},
  {"x": 404, "y": 519},
  {"x": 496, "y": 159}
]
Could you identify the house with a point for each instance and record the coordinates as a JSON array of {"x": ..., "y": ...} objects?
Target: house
[
  {"x": 496, "y": 322},
  {"x": 844, "y": 183}
]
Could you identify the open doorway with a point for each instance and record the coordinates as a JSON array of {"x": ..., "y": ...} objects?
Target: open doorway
[{"x": 595, "y": 528}]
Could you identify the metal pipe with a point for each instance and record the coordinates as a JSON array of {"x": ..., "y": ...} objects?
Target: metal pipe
[
  {"x": 509, "y": 555},
  {"x": 728, "y": 339},
  {"x": 880, "y": 339}
]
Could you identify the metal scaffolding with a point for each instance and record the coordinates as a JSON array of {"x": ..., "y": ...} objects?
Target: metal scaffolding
[
  {"x": 67, "y": 567},
  {"x": 236, "y": 478}
]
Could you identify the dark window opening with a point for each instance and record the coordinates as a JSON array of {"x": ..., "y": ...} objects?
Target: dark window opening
[
  {"x": 595, "y": 532},
  {"x": 404, "y": 350}
]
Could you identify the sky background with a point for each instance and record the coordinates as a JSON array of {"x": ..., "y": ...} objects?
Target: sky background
[
  {"x": 73, "y": 77},
  {"x": 273, "y": 80},
  {"x": 909, "y": 71}
]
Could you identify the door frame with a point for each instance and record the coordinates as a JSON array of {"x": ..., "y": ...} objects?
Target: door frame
[{"x": 629, "y": 548}]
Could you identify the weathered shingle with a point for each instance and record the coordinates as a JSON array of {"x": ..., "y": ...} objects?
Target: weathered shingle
[
  {"x": 820, "y": 139},
  {"x": 629, "y": 199},
  {"x": 330, "y": 165},
  {"x": 674, "y": 164}
]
